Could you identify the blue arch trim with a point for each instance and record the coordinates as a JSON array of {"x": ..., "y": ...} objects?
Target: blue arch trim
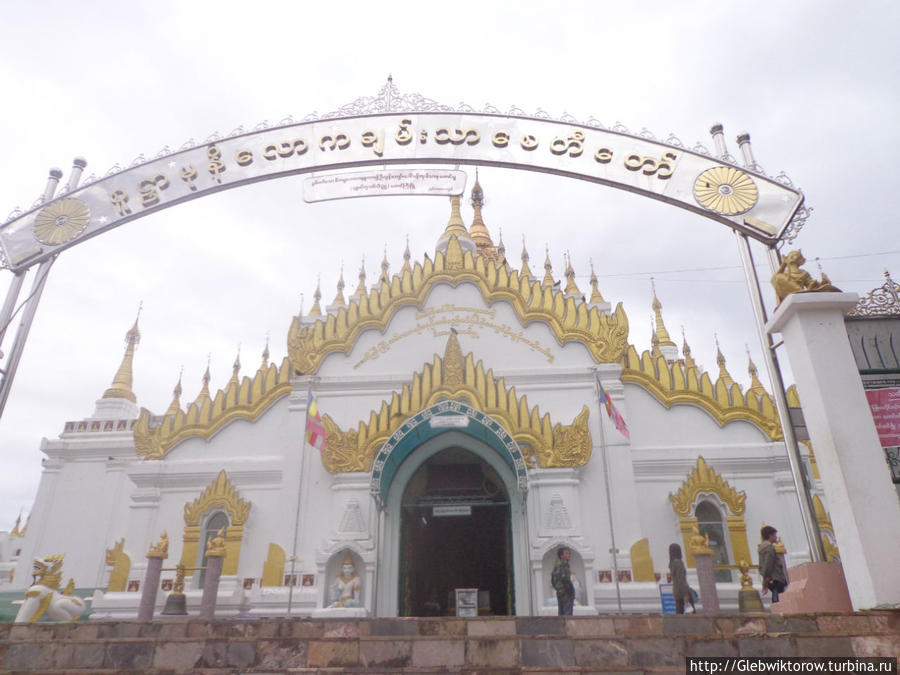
[{"x": 426, "y": 424}]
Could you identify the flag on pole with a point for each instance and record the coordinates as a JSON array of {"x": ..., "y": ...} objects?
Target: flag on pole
[
  {"x": 315, "y": 430},
  {"x": 613, "y": 411}
]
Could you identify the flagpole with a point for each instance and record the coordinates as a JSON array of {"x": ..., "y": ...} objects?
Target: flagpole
[
  {"x": 612, "y": 532},
  {"x": 297, "y": 512}
]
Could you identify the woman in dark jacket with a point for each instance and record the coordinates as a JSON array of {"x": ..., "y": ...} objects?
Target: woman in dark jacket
[
  {"x": 771, "y": 563},
  {"x": 680, "y": 588}
]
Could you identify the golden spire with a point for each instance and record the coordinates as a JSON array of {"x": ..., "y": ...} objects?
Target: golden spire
[
  {"x": 204, "y": 391},
  {"x": 361, "y": 289},
  {"x": 571, "y": 286},
  {"x": 455, "y": 225},
  {"x": 339, "y": 298},
  {"x": 501, "y": 248},
  {"x": 724, "y": 375},
  {"x": 385, "y": 268},
  {"x": 265, "y": 354},
  {"x": 661, "y": 333},
  {"x": 236, "y": 367},
  {"x": 15, "y": 531},
  {"x": 406, "y": 256},
  {"x": 654, "y": 340},
  {"x": 526, "y": 270},
  {"x": 595, "y": 291},
  {"x": 548, "y": 271},
  {"x": 479, "y": 232},
  {"x": 755, "y": 385},
  {"x": 316, "y": 309},
  {"x": 121, "y": 384},
  {"x": 175, "y": 405},
  {"x": 686, "y": 349}
]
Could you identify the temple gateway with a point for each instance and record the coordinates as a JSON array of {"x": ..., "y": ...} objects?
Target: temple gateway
[{"x": 446, "y": 427}]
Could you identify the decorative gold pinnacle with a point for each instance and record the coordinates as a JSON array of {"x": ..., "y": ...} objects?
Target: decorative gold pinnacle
[
  {"x": 596, "y": 296},
  {"x": 724, "y": 375},
  {"x": 661, "y": 333},
  {"x": 548, "y": 281},
  {"x": 525, "y": 272},
  {"x": 339, "y": 297},
  {"x": 121, "y": 384},
  {"x": 479, "y": 232},
  {"x": 571, "y": 286},
  {"x": 317, "y": 296},
  {"x": 175, "y": 405}
]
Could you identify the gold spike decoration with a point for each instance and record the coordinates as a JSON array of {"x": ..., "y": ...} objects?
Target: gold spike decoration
[
  {"x": 605, "y": 335},
  {"x": 455, "y": 226},
  {"x": 704, "y": 479},
  {"x": 236, "y": 367},
  {"x": 406, "y": 256},
  {"x": 596, "y": 296},
  {"x": 571, "y": 286},
  {"x": 455, "y": 377},
  {"x": 317, "y": 296},
  {"x": 755, "y": 385},
  {"x": 175, "y": 405},
  {"x": 661, "y": 333},
  {"x": 686, "y": 350},
  {"x": 339, "y": 297},
  {"x": 501, "y": 247},
  {"x": 246, "y": 400},
  {"x": 385, "y": 277},
  {"x": 478, "y": 233},
  {"x": 121, "y": 384},
  {"x": 724, "y": 375},
  {"x": 265, "y": 355},
  {"x": 673, "y": 383},
  {"x": 548, "y": 281},
  {"x": 525, "y": 273},
  {"x": 361, "y": 287}
]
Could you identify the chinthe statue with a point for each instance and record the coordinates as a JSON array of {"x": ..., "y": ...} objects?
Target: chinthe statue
[
  {"x": 43, "y": 599},
  {"x": 345, "y": 591},
  {"x": 790, "y": 278}
]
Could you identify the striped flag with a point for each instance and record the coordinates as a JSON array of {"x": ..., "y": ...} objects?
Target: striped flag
[
  {"x": 315, "y": 430},
  {"x": 613, "y": 411}
]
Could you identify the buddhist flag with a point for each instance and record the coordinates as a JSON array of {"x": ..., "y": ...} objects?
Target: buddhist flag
[
  {"x": 613, "y": 411},
  {"x": 315, "y": 431}
]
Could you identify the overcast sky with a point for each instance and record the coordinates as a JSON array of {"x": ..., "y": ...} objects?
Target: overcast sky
[{"x": 815, "y": 83}]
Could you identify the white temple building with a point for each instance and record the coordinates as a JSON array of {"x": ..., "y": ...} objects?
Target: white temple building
[{"x": 466, "y": 439}]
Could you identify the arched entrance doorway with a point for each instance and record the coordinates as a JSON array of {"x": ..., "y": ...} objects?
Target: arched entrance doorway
[{"x": 455, "y": 532}]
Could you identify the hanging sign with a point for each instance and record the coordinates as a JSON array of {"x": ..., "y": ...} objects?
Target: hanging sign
[
  {"x": 885, "y": 406},
  {"x": 430, "y": 182}
]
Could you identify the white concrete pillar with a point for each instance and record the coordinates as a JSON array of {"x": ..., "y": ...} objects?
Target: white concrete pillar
[{"x": 861, "y": 500}]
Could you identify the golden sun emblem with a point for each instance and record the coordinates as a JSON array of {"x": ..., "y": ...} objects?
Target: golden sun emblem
[
  {"x": 725, "y": 190},
  {"x": 61, "y": 221}
]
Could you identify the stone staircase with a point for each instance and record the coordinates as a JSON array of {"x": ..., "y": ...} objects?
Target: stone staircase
[{"x": 613, "y": 643}]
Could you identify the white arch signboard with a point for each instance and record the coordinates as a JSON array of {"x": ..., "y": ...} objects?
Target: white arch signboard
[{"x": 743, "y": 199}]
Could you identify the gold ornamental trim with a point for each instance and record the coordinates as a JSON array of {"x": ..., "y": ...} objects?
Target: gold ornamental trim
[
  {"x": 61, "y": 221},
  {"x": 672, "y": 383},
  {"x": 245, "y": 400},
  {"x": 726, "y": 190},
  {"x": 605, "y": 335},
  {"x": 550, "y": 445},
  {"x": 220, "y": 493},
  {"x": 704, "y": 479}
]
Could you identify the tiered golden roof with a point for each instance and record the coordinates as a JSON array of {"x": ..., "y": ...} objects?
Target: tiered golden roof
[{"x": 478, "y": 232}]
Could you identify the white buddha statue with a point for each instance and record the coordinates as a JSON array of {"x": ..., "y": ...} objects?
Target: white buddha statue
[{"x": 346, "y": 589}]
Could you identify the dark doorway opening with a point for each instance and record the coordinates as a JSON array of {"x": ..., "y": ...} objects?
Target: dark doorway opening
[{"x": 455, "y": 533}]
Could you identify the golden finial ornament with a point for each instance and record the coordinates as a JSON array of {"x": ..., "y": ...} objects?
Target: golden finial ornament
[
  {"x": 790, "y": 278},
  {"x": 265, "y": 355},
  {"x": 548, "y": 280},
  {"x": 746, "y": 581},
  {"x": 161, "y": 548},
  {"x": 478, "y": 232},
  {"x": 724, "y": 375},
  {"x": 385, "y": 269},
  {"x": 236, "y": 366},
  {"x": 662, "y": 334},
  {"x": 339, "y": 296},
  {"x": 571, "y": 286},
  {"x": 755, "y": 385},
  {"x": 175, "y": 405},
  {"x": 596, "y": 296},
  {"x": 122, "y": 381},
  {"x": 361, "y": 288},
  {"x": 406, "y": 256},
  {"x": 501, "y": 247},
  {"x": 317, "y": 296},
  {"x": 686, "y": 350},
  {"x": 525, "y": 272},
  {"x": 204, "y": 390},
  {"x": 180, "y": 572},
  {"x": 455, "y": 225}
]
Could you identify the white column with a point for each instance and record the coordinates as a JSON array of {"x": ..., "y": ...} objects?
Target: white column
[{"x": 861, "y": 499}]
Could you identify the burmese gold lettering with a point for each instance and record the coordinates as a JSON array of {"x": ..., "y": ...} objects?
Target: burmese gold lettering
[
  {"x": 663, "y": 168},
  {"x": 216, "y": 166},
  {"x": 285, "y": 149},
  {"x": 574, "y": 145},
  {"x": 340, "y": 141},
  {"x": 119, "y": 199},
  {"x": 500, "y": 139},
  {"x": 403, "y": 135},
  {"x": 148, "y": 189},
  {"x": 603, "y": 155},
  {"x": 423, "y": 136},
  {"x": 370, "y": 139},
  {"x": 189, "y": 175},
  {"x": 457, "y": 137},
  {"x": 244, "y": 157},
  {"x": 529, "y": 142}
]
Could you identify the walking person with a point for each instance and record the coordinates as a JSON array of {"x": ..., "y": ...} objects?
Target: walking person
[
  {"x": 561, "y": 580},
  {"x": 680, "y": 588},
  {"x": 771, "y": 564}
]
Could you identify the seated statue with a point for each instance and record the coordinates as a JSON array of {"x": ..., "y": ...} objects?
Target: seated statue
[
  {"x": 345, "y": 591},
  {"x": 791, "y": 279}
]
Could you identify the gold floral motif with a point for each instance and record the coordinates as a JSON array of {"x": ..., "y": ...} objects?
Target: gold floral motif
[
  {"x": 605, "y": 335},
  {"x": 219, "y": 493},
  {"x": 552, "y": 445},
  {"x": 725, "y": 190},
  {"x": 61, "y": 221}
]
